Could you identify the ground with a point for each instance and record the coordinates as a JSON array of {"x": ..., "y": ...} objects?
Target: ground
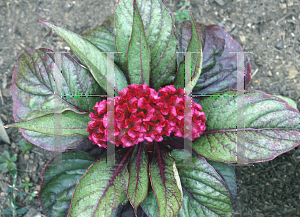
[{"x": 269, "y": 30}]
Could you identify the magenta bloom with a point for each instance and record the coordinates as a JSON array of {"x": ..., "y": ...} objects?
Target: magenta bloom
[{"x": 141, "y": 114}]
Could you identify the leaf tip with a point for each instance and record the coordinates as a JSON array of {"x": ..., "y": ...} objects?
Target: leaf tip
[{"x": 41, "y": 21}]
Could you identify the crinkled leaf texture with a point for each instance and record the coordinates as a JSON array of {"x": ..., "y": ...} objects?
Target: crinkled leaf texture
[
  {"x": 272, "y": 127},
  {"x": 204, "y": 188},
  {"x": 138, "y": 54},
  {"x": 92, "y": 56},
  {"x": 160, "y": 35},
  {"x": 138, "y": 176},
  {"x": 59, "y": 178},
  {"x": 228, "y": 175},
  {"x": 219, "y": 66},
  {"x": 165, "y": 182},
  {"x": 289, "y": 101},
  {"x": 103, "y": 36},
  {"x": 196, "y": 56},
  {"x": 102, "y": 188},
  {"x": 35, "y": 101},
  {"x": 204, "y": 191}
]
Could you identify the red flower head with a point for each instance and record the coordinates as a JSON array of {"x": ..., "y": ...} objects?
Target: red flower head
[{"x": 141, "y": 114}]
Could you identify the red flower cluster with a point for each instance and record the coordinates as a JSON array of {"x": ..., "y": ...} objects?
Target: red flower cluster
[{"x": 141, "y": 114}]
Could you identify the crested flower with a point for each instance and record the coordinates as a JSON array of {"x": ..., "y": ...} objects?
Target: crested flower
[{"x": 141, "y": 114}]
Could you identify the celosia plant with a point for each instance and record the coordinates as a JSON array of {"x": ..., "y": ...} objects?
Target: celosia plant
[
  {"x": 150, "y": 125},
  {"x": 140, "y": 114}
]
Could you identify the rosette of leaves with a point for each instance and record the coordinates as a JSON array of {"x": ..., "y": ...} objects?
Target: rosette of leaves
[{"x": 141, "y": 183}]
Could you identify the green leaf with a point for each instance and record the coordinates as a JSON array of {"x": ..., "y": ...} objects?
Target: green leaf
[
  {"x": 228, "y": 175},
  {"x": 14, "y": 158},
  {"x": 103, "y": 36},
  {"x": 9, "y": 190},
  {"x": 7, "y": 211},
  {"x": 219, "y": 64},
  {"x": 272, "y": 127},
  {"x": 6, "y": 154},
  {"x": 33, "y": 88},
  {"x": 22, "y": 143},
  {"x": 196, "y": 61},
  {"x": 160, "y": 35},
  {"x": 33, "y": 93},
  {"x": 10, "y": 165},
  {"x": 102, "y": 189},
  {"x": 288, "y": 100},
  {"x": 165, "y": 183},
  {"x": 92, "y": 56},
  {"x": 150, "y": 205},
  {"x": 25, "y": 147},
  {"x": 138, "y": 57},
  {"x": 21, "y": 193},
  {"x": 138, "y": 176},
  {"x": 13, "y": 170},
  {"x": 3, "y": 166},
  {"x": 21, "y": 211},
  {"x": 3, "y": 159},
  {"x": 123, "y": 11},
  {"x": 181, "y": 16},
  {"x": 71, "y": 123},
  {"x": 58, "y": 184},
  {"x": 204, "y": 192}
]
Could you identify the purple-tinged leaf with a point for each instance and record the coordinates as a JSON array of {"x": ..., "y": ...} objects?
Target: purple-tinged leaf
[
  {"x": 272, "y": 127},
  {"x": 33, "y": 94},
  {"x": 138, "y": 176},
  {"x": 289, "y": 101},
  {"x": 196, "y": 61},
  {"x": 138, "y": 54},
  {"x": 184, "y": 35},
  {"x": 47, "y": 142},
  {"x": 160, "y": 35},
  {"x": 102, "y": 188},
  {"x": 59, "y": 180},
  {"x": 71, "y": 123},
  {"x": 123, "y": 11},
  {"x": 92, "y": 57},
  {"x": 228, "y": 175},
  {"x": 219, "y": 66},
  {"x": 165, "y": 183},
  {"x": 103, "y": 36},
  {"x": 204, "y": 191}
]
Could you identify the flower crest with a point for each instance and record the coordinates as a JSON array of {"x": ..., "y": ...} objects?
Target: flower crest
[{"x": 140, "y": 113}]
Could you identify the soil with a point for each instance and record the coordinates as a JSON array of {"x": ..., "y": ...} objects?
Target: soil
[{"x": 270, "y": 30}]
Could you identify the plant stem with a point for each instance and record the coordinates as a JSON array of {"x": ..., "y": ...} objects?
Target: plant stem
[
  {"x": 14, "y": 173},
  {"x": 150, "y": 147}
]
